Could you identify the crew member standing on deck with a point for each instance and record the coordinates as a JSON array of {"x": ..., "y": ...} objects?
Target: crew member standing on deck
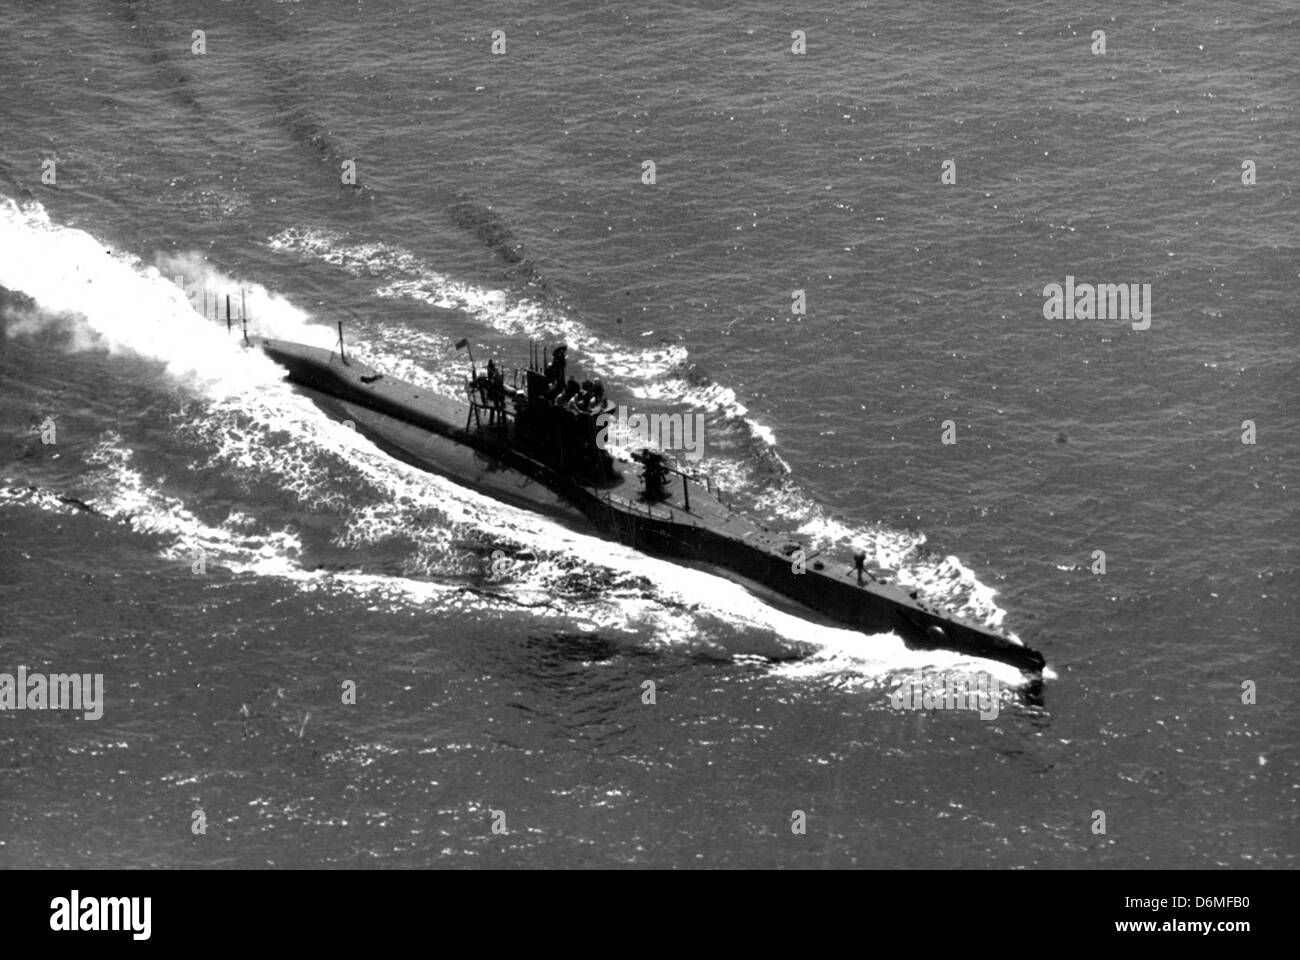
[
  {"x": 495, "y": 394},
  {"x": 555, "y": 371}
]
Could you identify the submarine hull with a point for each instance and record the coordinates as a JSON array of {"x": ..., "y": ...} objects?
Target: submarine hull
[{"x": 686, "y": 523}]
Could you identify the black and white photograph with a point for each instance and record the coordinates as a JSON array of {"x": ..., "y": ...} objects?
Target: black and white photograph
[{"x": 584, "y": 436}]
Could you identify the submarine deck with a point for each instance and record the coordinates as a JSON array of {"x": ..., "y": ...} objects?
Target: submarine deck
[{"x": 428, "y": 428}]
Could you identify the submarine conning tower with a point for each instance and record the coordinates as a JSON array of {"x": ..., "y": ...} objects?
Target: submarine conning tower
[{"x": 559, "y": 424}]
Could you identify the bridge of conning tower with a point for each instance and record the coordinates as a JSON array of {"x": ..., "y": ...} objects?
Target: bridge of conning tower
[{"x": 550, "y": 420}]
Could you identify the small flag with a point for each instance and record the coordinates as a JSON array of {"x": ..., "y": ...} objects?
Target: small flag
[{"x": 462, "y": 344}]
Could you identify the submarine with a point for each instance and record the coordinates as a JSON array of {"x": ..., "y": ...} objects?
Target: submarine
[{"x": 538, "y": 443}]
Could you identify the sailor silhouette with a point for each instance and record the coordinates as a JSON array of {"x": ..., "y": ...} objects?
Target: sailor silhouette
[
  {"x": 555, "y": 370},
  {"x": 494, "y": 393}
]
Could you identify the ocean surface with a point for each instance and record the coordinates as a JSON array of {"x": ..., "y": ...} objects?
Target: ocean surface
[{"x": 175, "y": 517}]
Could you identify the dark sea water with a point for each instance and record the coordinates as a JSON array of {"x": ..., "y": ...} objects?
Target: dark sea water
[{"x": 500, "y": 197}]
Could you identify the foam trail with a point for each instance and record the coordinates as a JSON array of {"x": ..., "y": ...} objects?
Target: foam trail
[
  {"x": 115, "y": 303},
  {"x": 402, "y": 274},
  {"x": 122, "y": 492}
]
